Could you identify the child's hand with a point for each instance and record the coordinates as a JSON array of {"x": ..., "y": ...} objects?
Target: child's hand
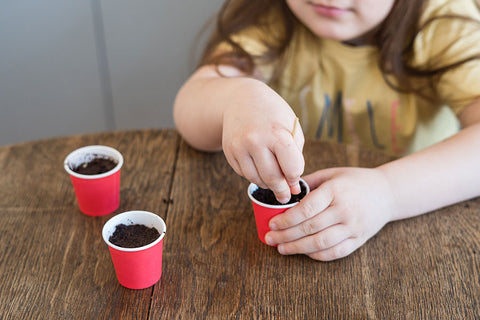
[
  {"x": 345, "y": 208},
  {"x": 258, "y": 141}
]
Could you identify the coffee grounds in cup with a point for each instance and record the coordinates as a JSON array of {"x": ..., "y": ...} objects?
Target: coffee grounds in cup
[
  {"x": 268, "y": 197},
  {"x": 133, "y": 235},
  {"x": 97, "y": 165}
]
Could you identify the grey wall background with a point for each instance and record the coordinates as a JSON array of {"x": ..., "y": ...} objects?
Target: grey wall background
[{"x": 79, "y": 66}]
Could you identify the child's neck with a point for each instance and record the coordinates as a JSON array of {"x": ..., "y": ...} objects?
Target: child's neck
[{"x": 366, "y": 39}]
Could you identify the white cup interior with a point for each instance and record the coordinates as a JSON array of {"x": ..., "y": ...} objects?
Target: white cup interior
[
  {"x": 252, "y": 187},
  {"x": 146, "y": 218},
  {"x": 86, "y": 154}
]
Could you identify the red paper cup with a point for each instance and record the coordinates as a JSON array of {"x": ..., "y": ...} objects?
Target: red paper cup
[
  {"x": 264, "y": 212},
  {"x": 136, "y": 268},
  {"x": 97, "y": 194}
]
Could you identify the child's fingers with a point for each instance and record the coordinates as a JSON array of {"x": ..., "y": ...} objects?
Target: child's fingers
[
  {"x": 269, "y": 172},
  {"x": 319, "y": 177},
  {"x": 314, "y": 203},
  {"x": 299, "y": 140},
  {"x": 317, "y": 242},
  {"x": 311, "y": 226},
  {"x": 234, "y": 164},
  {"x": 338, "y": 251},
  {"x": 290, "y": 159},
  {"x": 295, "y": 188},
  {"x": 249, "y": 171}
]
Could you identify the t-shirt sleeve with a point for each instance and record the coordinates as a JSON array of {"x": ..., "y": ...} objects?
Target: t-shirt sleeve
[{"x": 446, "y": 41}]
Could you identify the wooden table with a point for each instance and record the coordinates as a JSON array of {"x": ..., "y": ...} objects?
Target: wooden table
[{"x": 55, "y": 265}]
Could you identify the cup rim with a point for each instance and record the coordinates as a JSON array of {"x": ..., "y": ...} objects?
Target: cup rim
[
  {"x": 106, "y": 150},
  {"x": 130, "y": 215},
  {"x": 252, "y": 187}
]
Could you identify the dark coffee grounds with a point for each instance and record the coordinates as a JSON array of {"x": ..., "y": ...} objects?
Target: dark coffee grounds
[
  {"x": 267, "y": 196},
  {"x": 97, "y": 165},
  {"x": 133, "y": 235}
]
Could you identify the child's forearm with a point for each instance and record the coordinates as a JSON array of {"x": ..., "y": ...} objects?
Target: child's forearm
[
  {"x": 441, "y": 175},
  {"x": 201, "y": 102}
]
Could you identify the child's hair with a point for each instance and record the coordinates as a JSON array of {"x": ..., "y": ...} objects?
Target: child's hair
[{"x": 394, "y": 39}]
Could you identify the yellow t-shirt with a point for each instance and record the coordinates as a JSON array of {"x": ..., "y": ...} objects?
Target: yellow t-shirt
[{"x": 339, "y": 93}]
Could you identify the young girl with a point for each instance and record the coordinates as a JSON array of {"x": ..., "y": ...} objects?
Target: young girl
[{"x": 400, "y": 77}]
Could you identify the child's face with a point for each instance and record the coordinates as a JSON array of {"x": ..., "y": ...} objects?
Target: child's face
[{"x": 341, "y": 20}]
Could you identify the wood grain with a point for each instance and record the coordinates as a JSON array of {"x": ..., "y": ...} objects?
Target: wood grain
[{"x": 54, "y": 264}]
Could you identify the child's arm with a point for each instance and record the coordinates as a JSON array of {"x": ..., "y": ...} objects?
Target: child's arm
[
  {"x": 444, "y": 174},
  {"x": 350, "y": 205},
  {"x": 249, "y": 121}
]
